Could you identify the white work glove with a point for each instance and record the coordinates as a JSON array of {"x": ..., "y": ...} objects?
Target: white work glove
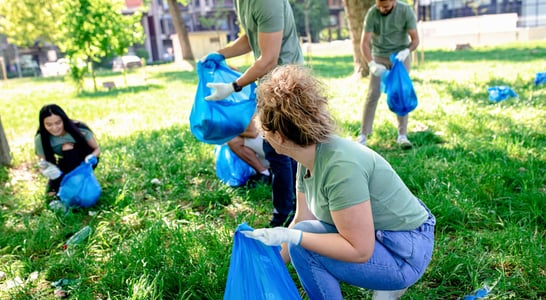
[
  {"x": 90, "y": 159},
  {"x": 49, "y": 170},
  {"x": 221, "y": 90},
  {"x": 275, "y": 236},
  {"x": 402, "y": 55},
  {"x": 376, "y": 69}
]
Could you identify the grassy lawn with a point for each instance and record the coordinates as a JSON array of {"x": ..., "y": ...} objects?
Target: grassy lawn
[{"x": 479, "y": 166}]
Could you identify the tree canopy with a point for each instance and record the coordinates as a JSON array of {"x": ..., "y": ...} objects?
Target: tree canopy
[
  {"x": 27, "y": 22},
  {"x": 316, "y": 14}
]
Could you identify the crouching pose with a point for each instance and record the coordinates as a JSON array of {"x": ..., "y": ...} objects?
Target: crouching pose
[
  {"x": 356, "y": 221},
  {"x": 61, "y": 145}
]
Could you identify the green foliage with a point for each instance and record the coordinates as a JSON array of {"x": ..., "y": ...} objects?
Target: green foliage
[
  {"x": 479, "y": 166},
  {"x": 332, "y": 34},
  {"x": 212, "y": 21},
  {"x": 26, "y": 22},
  {"x": 92, "y": 29},
  {"x": 317, "y": 15},
  {"x": 142, "y": 53}
]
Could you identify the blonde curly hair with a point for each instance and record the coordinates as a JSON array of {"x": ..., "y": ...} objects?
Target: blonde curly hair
[{"x": 293, "y": 102}]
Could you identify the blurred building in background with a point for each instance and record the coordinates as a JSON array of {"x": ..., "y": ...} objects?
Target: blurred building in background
[
  {"x": 530, "y": 13},
  {"x": 212, "y": 23}
]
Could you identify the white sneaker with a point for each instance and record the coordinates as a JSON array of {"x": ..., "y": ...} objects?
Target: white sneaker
[
  {"x": 388, "y": 295},
  {"x": 361, "y": 139},
  {"x": 403, "y": 142}
]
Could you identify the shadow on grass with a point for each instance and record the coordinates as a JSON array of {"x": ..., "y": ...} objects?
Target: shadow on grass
[
  {"x": 119, "y": 91},
  {"x": 184, "y": 165},
  {"x": 170, "y": 76},
  {"x": 512, "y": 54},
  {"x": 332, "y": 66}
]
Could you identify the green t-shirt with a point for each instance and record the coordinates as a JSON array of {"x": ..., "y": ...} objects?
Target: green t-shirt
[
  {"x": 270, "y": 16},
  {"x": 58, "y": 141},
  {"x": 390, "y": 32},
  {"x": 346, "y": 173}
]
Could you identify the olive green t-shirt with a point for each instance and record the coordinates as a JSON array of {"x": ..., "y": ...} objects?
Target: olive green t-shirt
[
  {"x": 58, "y": 141},
  {"x": 390, "y": 32},
  {"x": 346, "y": 173},
  {"x": 270, "y": 16}
]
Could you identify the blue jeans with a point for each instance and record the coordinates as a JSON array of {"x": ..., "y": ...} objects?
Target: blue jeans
[
  {"x": 283, "y": 180},
  {"x": 399, "y": 259}
]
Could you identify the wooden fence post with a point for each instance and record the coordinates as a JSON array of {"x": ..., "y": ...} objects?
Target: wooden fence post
[{"x": 5, "y": 157}]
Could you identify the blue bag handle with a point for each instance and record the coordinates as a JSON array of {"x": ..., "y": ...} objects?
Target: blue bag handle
[{"x": 217, "y": 122}]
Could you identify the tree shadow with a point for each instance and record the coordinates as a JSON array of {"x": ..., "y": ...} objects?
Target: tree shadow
[
  {"x": 332, "y": 66},
  {"x": 170, "y": 76},
  {"x": 119, "y": 91},
  {"x": 512, "y": 54}
]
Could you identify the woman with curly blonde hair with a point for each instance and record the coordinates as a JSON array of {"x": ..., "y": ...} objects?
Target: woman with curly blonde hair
[{"x": 356, "y": 221}]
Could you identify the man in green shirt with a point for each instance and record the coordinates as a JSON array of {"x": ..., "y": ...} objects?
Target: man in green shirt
[
  {"x": 270, "y": 33},
  {"x": 389, "y": 27}
]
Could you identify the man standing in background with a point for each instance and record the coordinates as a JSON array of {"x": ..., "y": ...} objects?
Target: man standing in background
[{"x": 389, "y": 27}]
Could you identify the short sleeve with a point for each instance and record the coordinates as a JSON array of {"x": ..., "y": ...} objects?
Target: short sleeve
[
  {"x": 269, "y": 15},
  {"x": 345, "y": 185},
  {"x": 38, "y": 148}
]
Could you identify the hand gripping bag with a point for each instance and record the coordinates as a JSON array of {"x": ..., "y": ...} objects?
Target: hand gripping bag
[
  {"x": 401, "y": 97},
  {"x": 230, "y": 169},
  {"x": 80, "y": 187},
  {"x": 216, "y": 122},
  {"x": 257, "y": 271}
]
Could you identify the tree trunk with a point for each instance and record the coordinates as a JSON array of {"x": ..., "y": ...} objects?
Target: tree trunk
[
  {"x": 356, "y": 11},
  {"x": 5, "y": 158},
  {"x": 181, "y": 31}
]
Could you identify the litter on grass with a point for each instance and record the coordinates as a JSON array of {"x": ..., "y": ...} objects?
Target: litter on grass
[
  {"x": 500, "y": 93},
  {"x": 540, "y": 78}
]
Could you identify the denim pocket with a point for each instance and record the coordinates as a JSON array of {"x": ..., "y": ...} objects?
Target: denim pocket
[{"x": 400, "y": 243}]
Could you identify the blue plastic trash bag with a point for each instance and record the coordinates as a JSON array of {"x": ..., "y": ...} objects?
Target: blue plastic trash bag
[
  {"x": 540, "y": 78},
  {"x": 499, "y": 93},
  {"x": 216, "y": 122},
  {"x": 257, "y": 271},
  {"x": 80, "y": 187},
  {"x": 230, "y": 169},
  {"x": 401, "y": 97}
]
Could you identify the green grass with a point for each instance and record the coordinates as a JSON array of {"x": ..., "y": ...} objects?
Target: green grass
[{"x": 479, "y": 166}]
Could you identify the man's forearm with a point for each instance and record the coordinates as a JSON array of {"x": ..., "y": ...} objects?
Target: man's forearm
[{"x": 239, "y": 47}]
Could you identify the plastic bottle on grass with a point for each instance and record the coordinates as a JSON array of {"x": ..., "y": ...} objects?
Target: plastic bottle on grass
[{"x": 78, "y": 237}]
